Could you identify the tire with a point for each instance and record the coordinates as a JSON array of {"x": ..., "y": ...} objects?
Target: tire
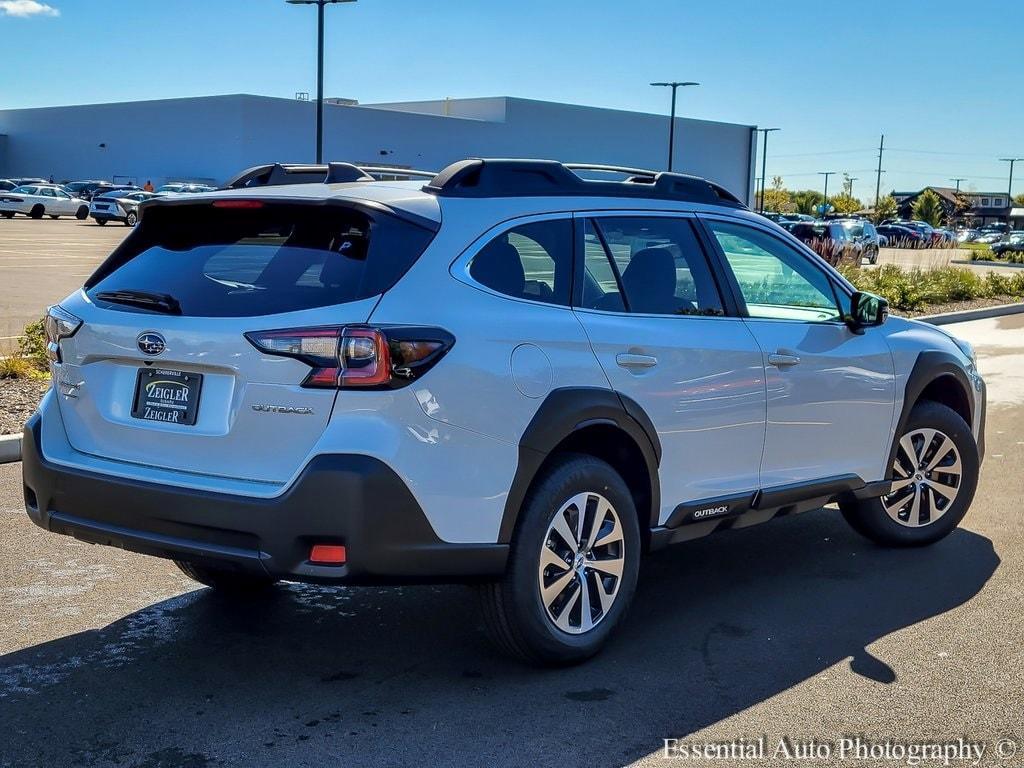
[
  {"x": 8, "y": 214},
  {"x": 82, "y": 213},
  {"x": 518, "y": 618},
  {"x": 916, "y": 513},
  {"x": 233, "y": 582},
  {"x": 36, "y": 212},
  {"x": 131, "y": 219},
  {"x": 101, "y": 222}
]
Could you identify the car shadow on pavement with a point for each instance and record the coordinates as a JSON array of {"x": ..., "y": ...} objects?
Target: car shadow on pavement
[{"x": 333, "y": 676}]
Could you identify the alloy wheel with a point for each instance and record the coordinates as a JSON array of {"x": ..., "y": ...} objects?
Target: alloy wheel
[
  {"x": 581, "y": 563},
  {"x": 927, "y": 474}
]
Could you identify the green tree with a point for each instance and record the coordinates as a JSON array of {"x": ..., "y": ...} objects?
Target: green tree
[
  {"x": 962, "y": 204},
  {"x": 1019, "y": 201},
  {"x": 845, "y": 203},
  {"x": 807, "y": 201},
  {"x": 776, "y": 197},
  {"x": 886, "y": 209},
  {"x": 928, "y": 208}
]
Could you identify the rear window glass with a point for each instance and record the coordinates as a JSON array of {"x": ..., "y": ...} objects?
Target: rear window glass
[{"x": 226, "y": 262}]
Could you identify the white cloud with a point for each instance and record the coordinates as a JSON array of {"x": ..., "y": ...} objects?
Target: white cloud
[{"x": 25, "y": 8}]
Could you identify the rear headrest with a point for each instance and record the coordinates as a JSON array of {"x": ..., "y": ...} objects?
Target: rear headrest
[{"x": 499, "y": 266}]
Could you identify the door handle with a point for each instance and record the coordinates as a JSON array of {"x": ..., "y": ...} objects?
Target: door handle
[
  {"x": 780, "y": 360},
  {"x": 629, "y": 360}
]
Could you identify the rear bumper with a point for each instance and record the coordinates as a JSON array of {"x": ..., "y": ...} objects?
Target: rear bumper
[
  {"x": 347, "y": 499},
  {"x": 104, "y": 216}
]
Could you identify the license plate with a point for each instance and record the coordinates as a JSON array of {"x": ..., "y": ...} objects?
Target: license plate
[{"x": 168, "y": 396}]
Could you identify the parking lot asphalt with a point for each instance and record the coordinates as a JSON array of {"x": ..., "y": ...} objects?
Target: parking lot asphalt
[
  {"x": 796, "y": 629},
  {"x": 42, "y": 262}
]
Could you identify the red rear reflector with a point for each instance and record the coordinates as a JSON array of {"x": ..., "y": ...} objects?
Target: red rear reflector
[
  {"x": 237, "y": 203},
  {"x": 327, "y": 554}
]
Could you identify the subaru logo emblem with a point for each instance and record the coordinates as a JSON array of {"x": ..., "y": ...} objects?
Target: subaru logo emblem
[{"x": 151, "y": 343}]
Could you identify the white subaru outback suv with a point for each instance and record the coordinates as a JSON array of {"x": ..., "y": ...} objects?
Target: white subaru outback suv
[{"x": 514, "y": 374}]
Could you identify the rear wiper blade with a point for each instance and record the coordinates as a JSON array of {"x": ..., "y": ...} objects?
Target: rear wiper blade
[{"x": 158, "y": 302}]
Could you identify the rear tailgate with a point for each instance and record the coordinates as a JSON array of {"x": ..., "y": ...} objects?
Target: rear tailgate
[{"x": 172, "y": 382}]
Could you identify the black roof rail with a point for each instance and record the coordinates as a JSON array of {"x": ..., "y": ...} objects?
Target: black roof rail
[
  {"x": 275, "y": 174},
  {"x": 480, "y": 177}
]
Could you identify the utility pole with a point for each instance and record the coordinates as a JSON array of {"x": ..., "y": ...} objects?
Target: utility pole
[
  {"x": 824, "y": 206},
  {"x": 320, "y": 4},
  {"x": 764, "y": 162},
  {"x": 878, "y": 179},
  {"x": 1009, "y": 188},
  {"x": 958, "y": 183},
  {"x": 849, "y": 184},
  {"x": 674, "y": 85}
]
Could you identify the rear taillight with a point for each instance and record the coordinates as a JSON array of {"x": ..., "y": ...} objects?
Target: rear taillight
[
  {"x": 356, "y": 356},
  {"x": 58, "y": 324}
]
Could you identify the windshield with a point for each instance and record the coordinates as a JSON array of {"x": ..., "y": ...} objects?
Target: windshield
[{"x": 239, "y": 262}]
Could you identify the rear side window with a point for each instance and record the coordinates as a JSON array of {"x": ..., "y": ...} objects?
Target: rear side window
[
  {"x": 238, "y": 262},
  {"x": 653, "y": 266},
  {"x": 530, "y": 261}
]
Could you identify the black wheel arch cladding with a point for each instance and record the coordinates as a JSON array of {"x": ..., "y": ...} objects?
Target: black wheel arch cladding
[
  {"x": 930, "y": 367},
  {"x": 566, "y": 411}
]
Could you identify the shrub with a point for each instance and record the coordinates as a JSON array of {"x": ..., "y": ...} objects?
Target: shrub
[
  {"x": 30, "y": 361},
  {"x": 914, "y": 289},
  {"x": 33, "y": 345},
  {"x": 17, "y": 367}
]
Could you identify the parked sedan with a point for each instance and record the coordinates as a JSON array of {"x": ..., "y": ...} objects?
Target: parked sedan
[
  {"x": 1013, "y": 244},
  {"x": 121, "y": 205},
  {"x": 36, "y": 201},
  {"x": 967, "y": 235},
  {"x": 901, "y": 237}
]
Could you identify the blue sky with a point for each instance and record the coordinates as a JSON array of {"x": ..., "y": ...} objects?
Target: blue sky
[{"x": 942, "y": 80}]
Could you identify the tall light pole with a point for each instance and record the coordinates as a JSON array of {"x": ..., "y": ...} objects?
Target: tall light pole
[
  {"x": 826, "y": 174},
  {"x": 764, "y": 160},
  {"x": 320, "y": 5},
  {"x": 674, "y": 85},
  {"x": 1009, "y": 188}
]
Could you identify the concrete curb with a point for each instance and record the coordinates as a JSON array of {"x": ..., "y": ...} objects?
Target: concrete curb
[
  {"x": 983, "y": 313},
  {"x": 10, "y": 448},
  {"x": 989, "y": 263}
]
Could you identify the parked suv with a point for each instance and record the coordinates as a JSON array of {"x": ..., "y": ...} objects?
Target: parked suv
[
  {"x": 122, "y": 205},
  {"x": 830, "y": 239},
  {"x": 508, "y": 375}
]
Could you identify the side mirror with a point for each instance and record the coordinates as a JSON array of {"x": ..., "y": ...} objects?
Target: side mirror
[{"x": 867, "y": 311}]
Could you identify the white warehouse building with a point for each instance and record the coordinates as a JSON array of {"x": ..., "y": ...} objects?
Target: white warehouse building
[{"x": 209, "y": 139}]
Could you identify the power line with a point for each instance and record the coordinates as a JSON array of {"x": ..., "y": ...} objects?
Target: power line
[
  {"x": 939, "y": 152},
  {"x": 830, "y": 152}
]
